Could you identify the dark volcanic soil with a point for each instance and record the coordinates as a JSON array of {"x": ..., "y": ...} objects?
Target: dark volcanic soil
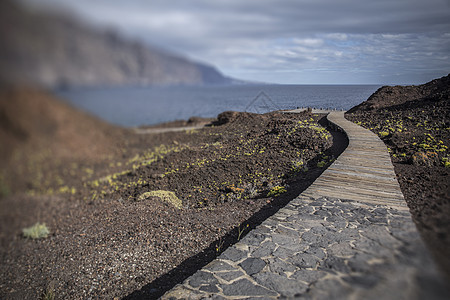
[
  {"x": 141, "y": 212},
  {"x": 414, "y": 122}
]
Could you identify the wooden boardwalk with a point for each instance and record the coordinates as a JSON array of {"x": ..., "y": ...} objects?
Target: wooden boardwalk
[{"x": 362, "y": 173}]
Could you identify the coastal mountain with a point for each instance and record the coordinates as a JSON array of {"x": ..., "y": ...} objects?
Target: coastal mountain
[{"x": 53, "y": 50}]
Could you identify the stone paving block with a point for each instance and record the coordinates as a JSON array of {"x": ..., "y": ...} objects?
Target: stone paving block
[
  {"x": 253, "y": 238},
  {"x": 322, "y": 213},
  {"x": 287, "y": 232},
  {"x": 305, "y": 260},
  {"x": 308, "y": 276},
  {"x": 316, "y": 251},
  {"x": 319, "y": 236},
  {"x": 317, "y": 203},
  {"x": 381, "y": 235},
  {"x": 285, "y": 241},
  {"x": 252, "y": 265},
  {"x": 211, "y": 288},
  {"x": 284, "y": 286},
  {"x": 330, "y": 289},
  {"x": 365, "y": 281},
  {"x": 377, "y": 219},
  {"x": 245, "y": 287},
  {"x": 335, "y": 219},
  {"x": 334, "y": 264},
  {"x": 234, "y": 254},
  {"x": 360, "y": 263},
  {"x": 265, "y": 249},
  {"x": 270, "y": 223},
  {"x": 264, "y": 230},
  {"x": 202, "y": 278},
  {"x": 284, "y": 253},
  {"x": 230, "y": 276},
  {"x": 340, "y": 249},
  {"x": 338, "y": 224},
  {"x": 219, "y": 265},
  {"x": 280, "y": 267},
  {"x": 347, "y": 235},
  {"x": 371, "y": 246}
]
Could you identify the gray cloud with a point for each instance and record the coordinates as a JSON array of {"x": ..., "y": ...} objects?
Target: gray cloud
[{"x": 291, "y": 41}]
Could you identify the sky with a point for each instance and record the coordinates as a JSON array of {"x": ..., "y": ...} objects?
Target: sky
[{"x": 288, "y": 41}]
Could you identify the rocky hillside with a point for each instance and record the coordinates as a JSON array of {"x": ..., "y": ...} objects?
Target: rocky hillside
[
  {"x": 32, "y": 120},
  {"x": 387, "y": 96},
  {"x": 53, "y": 50}
]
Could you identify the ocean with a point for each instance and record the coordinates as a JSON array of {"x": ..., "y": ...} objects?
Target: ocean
[{"x": 136, "y": 106}]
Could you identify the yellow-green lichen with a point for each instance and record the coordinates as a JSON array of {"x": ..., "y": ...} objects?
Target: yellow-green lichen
[
  {"x": 276, "y": 191},
  {"x": 166, "y": 196},
  {"x": 36, "y": 231}
]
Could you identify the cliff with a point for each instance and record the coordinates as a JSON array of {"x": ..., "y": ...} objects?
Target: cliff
[{"x": 53, "y": 50}]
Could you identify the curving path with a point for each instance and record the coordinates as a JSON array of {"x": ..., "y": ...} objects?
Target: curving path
[
  {"x": 363, "y": 172},
  {"x": 348, "y": 236}
]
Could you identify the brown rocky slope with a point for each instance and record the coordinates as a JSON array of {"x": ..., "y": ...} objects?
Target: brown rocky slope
[{"x": 37, "y": 127}]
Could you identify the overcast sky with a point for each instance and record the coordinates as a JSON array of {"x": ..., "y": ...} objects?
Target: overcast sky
[{"x": 290, "y": 41}]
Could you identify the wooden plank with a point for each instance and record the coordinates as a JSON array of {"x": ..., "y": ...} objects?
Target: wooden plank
[
  {"x": 361, "y": 169},
  {"x": 357, "y": 190},
  {"x": 376, "y": 186}
]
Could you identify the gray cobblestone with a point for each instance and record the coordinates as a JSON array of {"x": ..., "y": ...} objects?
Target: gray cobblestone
[
  {"x": 267, "y": 248},
  {"x": 218, "y": 265},
  {"x": 202, "y": 278},
  {"x": 252, "y": 265},
  {"x": 359, "y": 260},
  {"x": 308, "y": 276},
  {"x": 253, "y": 239},
  {"x": 367, "y": 281},
  {"x": 286, "y": 287},
  {"x": 230, "y": 276},
  {"x": 245, "y": 287},
  {"x": 334, "y": 264},
  {"x": 305, "y": 260},
  {"x": 234, "y": 254},
  {"x": 280, "y": 267}
]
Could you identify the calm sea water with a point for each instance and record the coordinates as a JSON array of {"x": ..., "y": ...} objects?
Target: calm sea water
[{"x": 151, "y": 105}]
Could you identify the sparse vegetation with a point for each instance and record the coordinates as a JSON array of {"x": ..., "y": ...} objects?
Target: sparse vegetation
[
  {"x": 37, "y": 231},
  {"x": 276, "y": 191},
  {"x": 165, "y": 196},
  {"x": 49, "y": 293},
  {"x": 241, "y": 231},
  {"x": 383, "y": 134}
]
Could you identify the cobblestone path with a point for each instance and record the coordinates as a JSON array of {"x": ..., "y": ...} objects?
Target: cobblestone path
[{"x": 348, "y": 236}]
